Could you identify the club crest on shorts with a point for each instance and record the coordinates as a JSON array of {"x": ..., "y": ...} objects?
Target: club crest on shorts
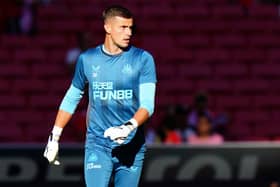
[{"x": 92, "y": 157}]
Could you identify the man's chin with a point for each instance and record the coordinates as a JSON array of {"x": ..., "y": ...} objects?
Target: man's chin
[{"x": 124, "y": 47}]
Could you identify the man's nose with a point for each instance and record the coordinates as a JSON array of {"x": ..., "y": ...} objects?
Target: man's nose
[{"x": 129, "y": 31}]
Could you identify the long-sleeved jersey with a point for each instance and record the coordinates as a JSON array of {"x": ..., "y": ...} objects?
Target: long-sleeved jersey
[{"x": 113, "y": 87}]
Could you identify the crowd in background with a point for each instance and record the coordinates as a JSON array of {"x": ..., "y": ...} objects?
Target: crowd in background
[{"x": 194, "y": 124}]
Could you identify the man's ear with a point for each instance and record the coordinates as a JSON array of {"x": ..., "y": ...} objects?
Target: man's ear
[{"x": 107, "y": 28}]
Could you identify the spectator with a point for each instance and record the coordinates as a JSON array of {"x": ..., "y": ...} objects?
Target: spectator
[
  {"x": 204, "y": 133},
  {"x": 274, "y": 184},
  {"x": 21, "y": 17},
  {"x": 151, "y": 136},
  {"x": 27, "y": 20},
  {"x": 83, "y": 42},
  {"x": 173, "y": 129},
  {"x": 200, "y": 107}
]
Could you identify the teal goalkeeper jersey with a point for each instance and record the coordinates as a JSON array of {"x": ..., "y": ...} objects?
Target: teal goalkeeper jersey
[{"x": 113, "y": 82}]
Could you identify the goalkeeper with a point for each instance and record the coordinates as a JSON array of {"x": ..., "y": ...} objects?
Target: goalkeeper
[{"x": 121, "y": 80}]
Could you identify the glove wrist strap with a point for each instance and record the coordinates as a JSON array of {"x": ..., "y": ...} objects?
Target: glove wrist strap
[
  {"x": 56, "y": 132},
  {"x": 134, "y": 123}
]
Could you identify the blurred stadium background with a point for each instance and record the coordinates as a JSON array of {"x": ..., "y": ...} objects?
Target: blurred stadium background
[{"x": 228, "y": 49}]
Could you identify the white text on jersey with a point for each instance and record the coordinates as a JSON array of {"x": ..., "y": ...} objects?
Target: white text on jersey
[{"x": 105, "y": 91}]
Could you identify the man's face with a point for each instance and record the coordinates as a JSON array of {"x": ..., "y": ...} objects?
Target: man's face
[
  {"x": 204, "y": 127},
  {"x": 120, "y": 30}
]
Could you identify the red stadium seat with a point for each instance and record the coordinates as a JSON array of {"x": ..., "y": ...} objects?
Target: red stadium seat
[
  {"x": 5, "y": 86},
  {"x": 225, "y": 11},
  {"x": 48, "y": 41},
  {"x": 192, "y": 71},
  {"x": 12, "y": 101},
  {"x": 254, "y": 86},
  {"x": 11, "y": 131},
  {"x": 211, "y": 55},
  {"x": 35, "y": 133},
  {"x": 191, "y": 12},
  {"x": 264, "y": 11},
  {"x": 266, "y": 70},
  {"x": 53, "y": 11},
  {"x": 49, "y": 70},
  {"x": 30, "y": 86},
  {"x": 239, "y": 132},
  {"x": 214, "y": 86},
  {"x": 30, "y": 55},
  {"x": 12, "y": 41},
  {"x": 13, "y": 71},
  {"x": 234, "y": 102},
  {"x": 231, "y": 70},
  {"x": 273, "y": 55},
  {"x": 45, "y": 102},
  {"x": 5, "y": 56},
  {"x": 229, "y": 40}
]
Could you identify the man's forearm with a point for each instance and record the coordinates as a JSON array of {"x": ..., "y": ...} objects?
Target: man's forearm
[
  {"x": 62, "y": 118},
  {"x": 51, "y": 150},
  {"x": 141, "y": 116}
]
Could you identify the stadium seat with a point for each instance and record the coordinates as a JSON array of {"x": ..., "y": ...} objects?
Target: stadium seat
[
  {"x": 231, "y": 70},
  {"x": 12, "y": 101},
  {"x": 45, "y": 101},
  {"x": 264, "y": 11},
  {"x": 30, "y": 55},
  {"x": 266, "y": 70},
  {"x": 48, "y": 41},
  {"x": 10, "y": 132},
  {"x": 53, "y": 11},
  {"x": 12, "y": 41},
  {"x": 30, "y": 86},
  {"x": 193, "y": 71},
  {"x": 226, "y": 12},
  {"x": 238, "y": 131},
  {"x": 5, "y": 56},
  {"x": 49, "y": 70}
]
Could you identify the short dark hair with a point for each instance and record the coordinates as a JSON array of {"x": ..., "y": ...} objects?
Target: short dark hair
[{"x": 116, "y": 10}]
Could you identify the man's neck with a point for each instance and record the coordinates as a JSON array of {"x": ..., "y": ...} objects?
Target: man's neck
[
  {"x": 104, "y": 48},
  {"x": 110, "y": 48}
]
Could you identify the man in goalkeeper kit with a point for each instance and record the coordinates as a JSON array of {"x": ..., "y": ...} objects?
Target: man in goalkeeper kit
[{"x": 121, "y": 86}]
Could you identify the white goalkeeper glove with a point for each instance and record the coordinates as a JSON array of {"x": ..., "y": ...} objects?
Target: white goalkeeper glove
[
  {"x": 119, "y": 133},
  {"x": 51, "y": 150}
]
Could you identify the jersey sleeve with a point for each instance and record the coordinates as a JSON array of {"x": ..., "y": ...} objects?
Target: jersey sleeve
[
  {"x": 79, "y": 79},
  {"x": 147, "y": 96},
  {"x": 148, "y": 71}
]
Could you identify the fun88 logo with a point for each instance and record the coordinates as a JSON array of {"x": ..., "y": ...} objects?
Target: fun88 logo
[{"x": 105, "y": 91}]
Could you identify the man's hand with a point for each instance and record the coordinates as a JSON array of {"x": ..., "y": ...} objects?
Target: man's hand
[
  {"x": 51, "y": 150},
  {"x": 119, "y": 133}
]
